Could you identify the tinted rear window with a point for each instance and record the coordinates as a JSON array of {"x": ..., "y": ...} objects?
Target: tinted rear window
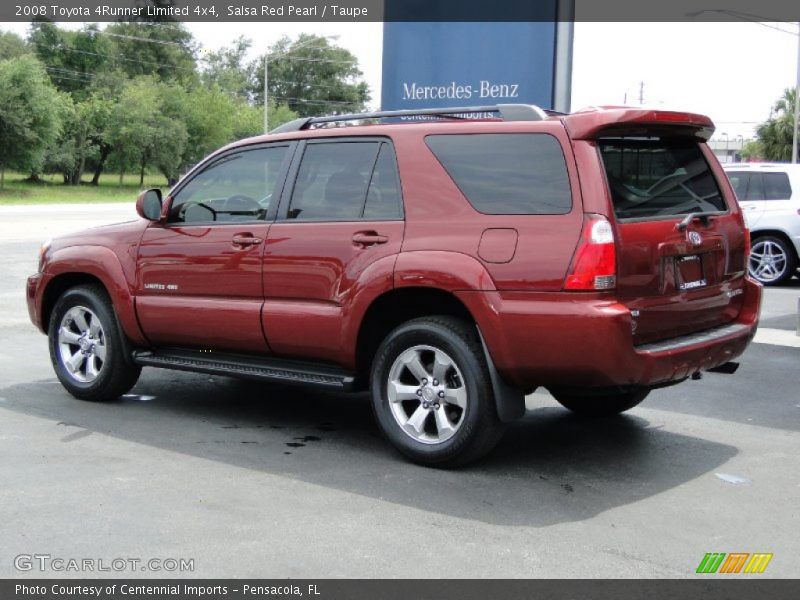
[
  {"x": 659, "y": 178},
  {"x": 507, "y": 173},
  {"x": 756, "y": 185},
  {"x": 776, "y": 186}
]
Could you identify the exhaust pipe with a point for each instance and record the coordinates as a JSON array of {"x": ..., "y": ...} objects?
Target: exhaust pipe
[{"x": 728, "y": 368}]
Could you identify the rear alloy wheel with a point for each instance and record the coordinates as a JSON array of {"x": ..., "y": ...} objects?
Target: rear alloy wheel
[
  {"x": 87, "y": 348},
  {"x": 593, "y": 404},
  {"x": 771, "y": 261},
  {"x": 431, "y": 393}
]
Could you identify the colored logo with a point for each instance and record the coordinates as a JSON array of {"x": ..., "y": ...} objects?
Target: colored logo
[{"x": 735, "y": 562}]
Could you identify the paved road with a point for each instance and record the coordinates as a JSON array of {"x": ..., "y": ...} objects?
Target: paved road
[{"x": 255, "y": 480}]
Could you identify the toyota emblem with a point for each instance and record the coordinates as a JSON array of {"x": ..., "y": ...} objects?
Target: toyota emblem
[{"x": 695, "y": 238}]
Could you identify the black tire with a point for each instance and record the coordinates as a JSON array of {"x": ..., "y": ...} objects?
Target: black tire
[
  {"x": 117, "y": 373},
  {"x": 593, "y": 404},
  {"x": 789, "y": 262},
  {"x": 478, "y": 427}
]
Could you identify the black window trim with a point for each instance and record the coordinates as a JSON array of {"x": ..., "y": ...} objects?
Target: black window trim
[
  {"x": 572, "y": 203},
  {"x": 294, "y": 168},
  {"x": 221, "y": 157}
]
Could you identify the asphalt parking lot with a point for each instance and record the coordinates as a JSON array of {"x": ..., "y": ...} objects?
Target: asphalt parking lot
[{"x": 252, "y": 480}]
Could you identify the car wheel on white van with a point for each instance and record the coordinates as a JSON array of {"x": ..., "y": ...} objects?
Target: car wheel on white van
[{"x": 772, "y": 260}]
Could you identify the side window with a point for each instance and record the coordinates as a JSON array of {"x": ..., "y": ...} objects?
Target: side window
[
  {"x": 776, "y": 186},
  {"x": 239, "y": 187},
  {"x": 333, "y": 180},
  {"x": 384, "y": 200},
  {"x": 739, "y": 180},
  {"x": 755, "y": 187},
  {"x": 507, "y": 173}
]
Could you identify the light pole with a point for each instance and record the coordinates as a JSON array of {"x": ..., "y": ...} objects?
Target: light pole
[
  {"x": 268, "y": 57},
  {"x": 796, "y": 100},
  {"x": 727, "y": 144}
]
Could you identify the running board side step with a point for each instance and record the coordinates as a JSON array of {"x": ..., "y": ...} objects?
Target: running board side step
[{"x": 249, "y": 367}]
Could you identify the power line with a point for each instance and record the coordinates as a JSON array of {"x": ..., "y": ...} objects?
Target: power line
[
  {"x": 56, "y": 76},
  {"x": 322, "y": 60},
  {"x": 141, "y": 39},
  {"x": 160, "y": 25},
  {"x": 306, "y": 101},
  {"x": 87, "y": 76},
  {"x": 134, "y": 60},
  {"x": 315, "y": 85}
]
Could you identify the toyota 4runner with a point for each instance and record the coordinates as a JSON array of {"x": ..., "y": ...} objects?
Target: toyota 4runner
[{"x": 450, "y": 266}]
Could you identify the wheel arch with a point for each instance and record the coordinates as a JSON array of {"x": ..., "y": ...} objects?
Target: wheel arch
[
  {"x": 76, "y": 265},
  {"x": 399, "y": 305},
  {"x": 60, "y": 284}
]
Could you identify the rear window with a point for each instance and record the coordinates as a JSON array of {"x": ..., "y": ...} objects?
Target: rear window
[
  {"x": 756, "y": 185},
  {"x": 776, "y": 186},
  {"x": 658, "y": 177},
  {"x": 507, "y": 173}
]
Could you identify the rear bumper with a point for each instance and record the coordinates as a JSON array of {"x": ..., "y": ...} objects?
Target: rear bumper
[{"x": 581, "y": 341}]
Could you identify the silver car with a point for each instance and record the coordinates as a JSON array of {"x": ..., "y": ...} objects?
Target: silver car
[{"x": 769, "y": 194}]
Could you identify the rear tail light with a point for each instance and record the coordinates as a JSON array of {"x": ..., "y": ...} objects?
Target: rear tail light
[
  {"x": 594, "y": 266},
  {"x": 747, "y": 244}
]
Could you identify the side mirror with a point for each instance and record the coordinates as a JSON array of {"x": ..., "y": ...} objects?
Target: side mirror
[{"x": 149, "y": 204}]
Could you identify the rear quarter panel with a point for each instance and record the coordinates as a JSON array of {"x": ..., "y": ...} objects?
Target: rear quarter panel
[{"x": 439, "y": 218}]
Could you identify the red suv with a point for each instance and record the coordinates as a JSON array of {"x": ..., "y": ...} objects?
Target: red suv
[{"x": 448, "y": 265}]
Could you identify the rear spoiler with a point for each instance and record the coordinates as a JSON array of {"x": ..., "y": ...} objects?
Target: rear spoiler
[{"x": 603, "y": 121}]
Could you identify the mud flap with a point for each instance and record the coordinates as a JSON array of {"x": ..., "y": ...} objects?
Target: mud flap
[{"x": 509, "y": 401}]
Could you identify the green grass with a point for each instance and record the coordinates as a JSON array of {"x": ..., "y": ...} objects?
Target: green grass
[{"x": 52, "y": 190}]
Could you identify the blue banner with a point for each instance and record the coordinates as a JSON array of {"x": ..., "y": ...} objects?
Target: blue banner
[{"x": 432, "y": 65}]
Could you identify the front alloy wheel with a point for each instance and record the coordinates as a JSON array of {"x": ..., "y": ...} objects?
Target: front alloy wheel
[
  {"x": 82, "y": 344},
  {"x": 87, "y": 348},
  {"x": 771, "y": 260}
]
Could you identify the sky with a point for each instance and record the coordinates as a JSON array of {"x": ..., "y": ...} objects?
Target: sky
[{"x": 731, "y": 71}]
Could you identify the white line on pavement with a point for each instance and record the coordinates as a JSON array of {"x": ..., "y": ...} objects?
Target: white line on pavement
[{"x": 777, "y": 337}]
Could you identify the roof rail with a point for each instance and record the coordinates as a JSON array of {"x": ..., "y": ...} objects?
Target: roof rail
[{"x": 508, "y": 112}]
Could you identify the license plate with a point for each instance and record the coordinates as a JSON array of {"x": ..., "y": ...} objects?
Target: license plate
[{"x": 690, "y": 273}]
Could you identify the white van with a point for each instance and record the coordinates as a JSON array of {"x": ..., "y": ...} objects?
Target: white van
[{"x": 769, "y": 194}]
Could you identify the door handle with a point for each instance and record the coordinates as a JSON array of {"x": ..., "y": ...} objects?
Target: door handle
[
  {"x": 368, "y": 238},
  {"x": 244, "y": 239}
]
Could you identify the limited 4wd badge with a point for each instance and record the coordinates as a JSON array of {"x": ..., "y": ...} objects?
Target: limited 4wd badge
[{"x": 161, "y": 286}]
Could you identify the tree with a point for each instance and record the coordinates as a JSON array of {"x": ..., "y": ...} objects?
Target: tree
[
  {"x": 227, "y": 70},
  {"x": 73, "y": 59},
  {"x": 82, "y": 139},
  {"x": 752, "y": 150},
  {"x": 775, "y": 135},
  {"x": 29, "y": 120},
  {"x": 312, "y": 77},
  {"x": 166, "y": 50},
  {"x": 11, "y": 45},
  {"x": 141, "y": 134}
]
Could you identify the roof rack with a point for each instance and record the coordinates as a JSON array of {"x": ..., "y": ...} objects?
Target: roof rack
[{"x": 508, "y": 112}]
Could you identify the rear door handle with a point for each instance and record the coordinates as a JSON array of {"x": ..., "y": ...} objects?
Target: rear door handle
[
  {"x": 242, "y": 240},
  {"x": 369, "y": 238}
]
